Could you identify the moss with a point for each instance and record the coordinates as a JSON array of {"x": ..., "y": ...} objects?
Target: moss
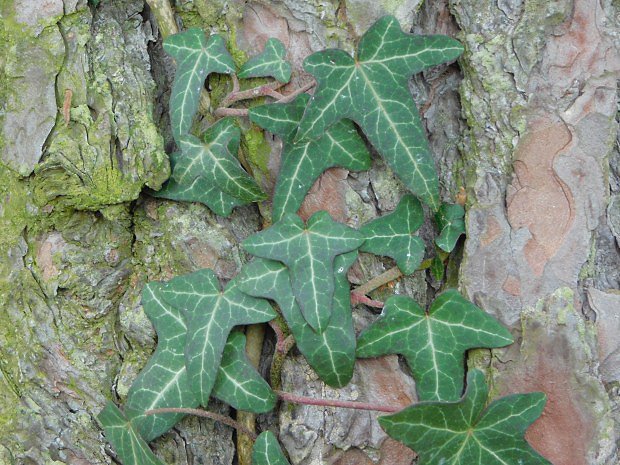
[
  {"x": 257, "y": 152},
  {"x": 14, "y": 210}
]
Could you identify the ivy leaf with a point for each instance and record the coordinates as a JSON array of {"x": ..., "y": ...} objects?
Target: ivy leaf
[
  {"x": 464, "y": 433},
  {"x": 163, "y": 381},
  {"x": 304, "y": 161},
  {"x": 210, "y": 314},
  {"x": 267, "y": 451},
  {"x": 198, "y": 190},
  {"x": 308, "y": 252},
  {"x": 372, "y": 90},
  {"x": 196, "y": 58},
  {"x": 238, "y": 383},
  {"x": 214, "y": 161},
  {"x": 269, "y": 63},
  {"x": 121, "y": 433},
  {"x": 330, "y": 353},
  {"x": 433, "y": 343},
  {"x": 451, "y": 224},
  {"x": 392, "y": 235}
]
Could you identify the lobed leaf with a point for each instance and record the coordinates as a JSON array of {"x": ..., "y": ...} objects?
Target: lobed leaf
[
  {"x": 199, "y": 190},
  {"x": 214, "y": 162},
  {"x": 196, "y": 58},
  {"x": 238, "y": 383},
  {"x": 267, "y": 451},
  {"x": 433, "y": 343},
  {"x": 330, "y": 353},
  {"x": 392, "y": 235},
  {"x": 270, "y": 62},
  {"x": 463, "y": 433},
  {"x": 122, "y": 435},
  {"x": 304, "y": 161},
  {"x": 373, "y": 91},
  {"x": 308, "y": 252},
  {"x": 451, "y": 224},
  {"x": 164, "y": 383},
  {"x": 210, "y": 314}
]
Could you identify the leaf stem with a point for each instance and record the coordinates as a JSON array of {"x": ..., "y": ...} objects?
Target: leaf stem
[
  {"x": 206, "y": 414},
  {"x": 296, "y": 399}
]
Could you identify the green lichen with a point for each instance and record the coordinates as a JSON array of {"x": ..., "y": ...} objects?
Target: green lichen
[{"x": 14, "y": 209}]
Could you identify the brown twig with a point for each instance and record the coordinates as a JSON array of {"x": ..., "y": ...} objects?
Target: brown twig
[
  {"x": 231, "y": 112},
  {"x": 206, "y": 414},
  {"x": 289, "y": 97},
  {"x": 378, "y": 281},
  {"x": 288, "y": 397},
  {"x": 259, "y": 91}
]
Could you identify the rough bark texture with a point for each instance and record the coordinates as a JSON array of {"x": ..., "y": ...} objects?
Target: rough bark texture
[{"x": 526, "y": 126}]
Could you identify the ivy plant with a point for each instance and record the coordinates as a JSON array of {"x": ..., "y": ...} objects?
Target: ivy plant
[{"x": 299, "y": 269}]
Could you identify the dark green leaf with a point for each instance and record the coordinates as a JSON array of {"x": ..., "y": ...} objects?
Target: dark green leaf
[
  {"x": 196, "y": 58},
  {"x": 121, "y": 433},
  {"x": 463, "y": 433},
  {"x": 163, "y": 381},
  {"x": 331, "y": 353},
  {"x": 392, "y": 235},
  {"x": 267, "y": 451},
  {"x": 214, "y": 162},
  {"x": 210, "y": 315},
  {"x": 304, "y": 161},
  {"x": 373, "y": 91},
  {"x": 199, "y": 190},
  {"x": 451, "y": 225},
  {"x": 238, "y": 383},
  {"x": 269, "y": 63},
  {"x": 433, "y": 343},
  {"x": 308, "y": 252},
  {"x": 437, "y": 268}
]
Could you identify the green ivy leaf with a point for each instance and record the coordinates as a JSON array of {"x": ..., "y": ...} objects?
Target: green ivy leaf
[
  {"x": 331, "y": 353},
  {"x": 198, "y": 190},
  {"x": 463, "y": 433},
  {"x": 437, "y": 268},
  {"x": 163, "y": 381},
  {"x": 433, "y": 343},
  {"x": 238, "y": 383},
  {"x": 304, "y": 161},
  {"x": 214, "y": 162},
  {"x": 269, "y": 63},
  {"x": 308, "y": 252},
  {"x": 267, "y": 451},
  {"x": 392, "y": 235},
  {"x": 122, "y": 435},
  {"x": 196, "y": 58},
  {"x": 451, "y": 224},
  {"x": 210, "y": 315},
  {"x": 373, "y": 91}
]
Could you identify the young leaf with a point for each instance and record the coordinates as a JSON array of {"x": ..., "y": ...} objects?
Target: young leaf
[
  {"x": 372, "y": 90},
  {"x": 198, "y": 190},
  {"x": 451, "y": 225},
  {"x": 163, "y": 381},
  {"x": 330, "y": 353},
  {"x": 463, "y": 433},
  {"x": 213, "y": 161},
  {"x": 267, "y": 451},
  {"x": 304, "y": 161},
  {"x": 269, "y": 63},
  {"x": 196, "y": 58},
  {"x": 210, "y": 315},
  {"x": 238, "y": 383},
  {"x": 121, "y": 433},
  {"x": 433, "y": 343},
  {"x": 308, "y": 252},
  {"x": 392, "y": 235}
]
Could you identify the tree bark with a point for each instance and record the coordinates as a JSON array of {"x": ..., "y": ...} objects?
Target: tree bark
[{"x": 525, "y": 124}]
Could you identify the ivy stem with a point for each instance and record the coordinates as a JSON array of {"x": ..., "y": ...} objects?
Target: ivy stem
[
  {"x": 206, "y": 414},
  {"x": 288, "y": 397},
  {"x": 165, "y": 17},
  {"x": 289, "y": 97},
  {"x": 378, "y": 281},
  {"x": 231, "y": 112},
  {"x": 259, "y": 91},
  {"x": 283, "y": 345}
]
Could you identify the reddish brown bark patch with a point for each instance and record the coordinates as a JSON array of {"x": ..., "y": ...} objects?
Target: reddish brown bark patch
[
  {"x": 327, "y": 193},
  {"x": 538, "y": 199}
]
